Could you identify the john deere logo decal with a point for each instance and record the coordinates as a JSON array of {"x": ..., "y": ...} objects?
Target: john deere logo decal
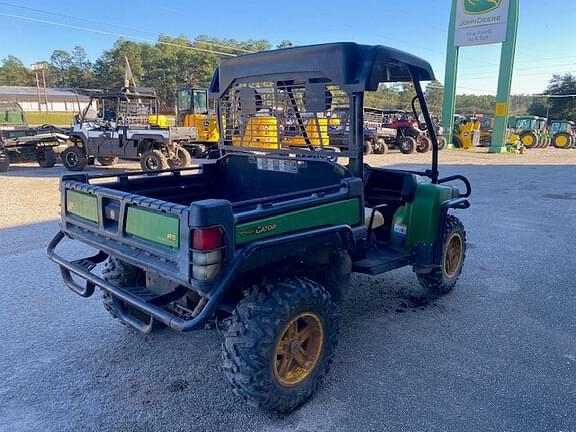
[{"x": 480, "y": 6}]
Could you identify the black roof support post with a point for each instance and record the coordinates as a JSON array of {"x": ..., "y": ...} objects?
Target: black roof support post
[
  {"x": 356, "y": 137},
  {"x": 430, "y": 128}
]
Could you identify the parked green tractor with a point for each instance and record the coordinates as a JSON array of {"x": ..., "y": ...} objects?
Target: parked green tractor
[
  {"x": 263, "y": 241},
  {"x": 563, "y": 134},
  {"x": 531, "y": 129}
]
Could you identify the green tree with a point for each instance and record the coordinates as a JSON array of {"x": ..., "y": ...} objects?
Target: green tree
[
  {"x": 562, "y": 108},
  {"x": 61, "y": 62},
  {"x": 285, "y": 44},
  {"x": 14, "y": 73}
]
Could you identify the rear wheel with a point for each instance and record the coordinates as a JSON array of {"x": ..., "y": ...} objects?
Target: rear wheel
[
  {"x": 107, "y": 161},
  {"x": 280, "y": 344},
  {"x": 4, "y": 160},
  {"x": 122, "y": 274},
  {"x": 423, "y": 144},
  {"x": 441, "y": 281},
  {"x": 46, "y": 158},
  {"x": 407, "y": 145},
  {"x": 529, "y": 139},
  {"x": 562, "y": 140},
  {"x": 380, "y": 147},
  {"x": 441, "y": 142},
  {"x": 74, "y": 158},
  {"x": 154, "y": 160},
  {"x": 368, "y": 147},
  {"x": 181, "y": 160}
]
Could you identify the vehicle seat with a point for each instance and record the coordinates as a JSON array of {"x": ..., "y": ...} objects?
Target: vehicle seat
[
  {"x": 378, "y": 218},
  {"x": 384, "y": 186}
]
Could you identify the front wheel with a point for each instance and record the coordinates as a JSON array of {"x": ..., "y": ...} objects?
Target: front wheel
[
  {"x": 154, "y": 160},
  {"x": 181, "y": 160},
  {"x": 280, "y": 344},
  {"x": 46, "y": 158},
  {"x": 423, "y": 144},
  {"x": 529, "y": 139},
  {"x": 562, "y": 140},
  {"x": 407, "y": 145},
  {"x": 441, "y": 280},
  {"x": 74, "y": 158},
  {"x": 380, "y": 147}
]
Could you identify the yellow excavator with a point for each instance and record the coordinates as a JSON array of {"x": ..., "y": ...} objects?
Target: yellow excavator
[
  {"x": 466, "y": 133},
  {"x": 192, "y": 110}
]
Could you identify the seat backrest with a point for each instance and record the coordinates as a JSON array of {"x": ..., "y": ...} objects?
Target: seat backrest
[{"x": 384, "y": 186}]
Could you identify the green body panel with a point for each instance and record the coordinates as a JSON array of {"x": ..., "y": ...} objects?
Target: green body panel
[
  {"x": 418, "y": 220},
  {"x": 341, "y": 212},
  {"x": 153, "y": 226},
  {"x": 82, "y": 205}
]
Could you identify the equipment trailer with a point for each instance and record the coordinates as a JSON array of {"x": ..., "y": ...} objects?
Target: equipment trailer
[
  {"x": 20, "y": 143},
  {"x": 264, "y": 240}
]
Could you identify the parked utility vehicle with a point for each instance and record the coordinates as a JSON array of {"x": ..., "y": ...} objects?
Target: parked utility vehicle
[
  {"x": 21, "y": 143},
  {"x": 117, "y": 125},
  {"x": 264, "y": 242},
  {"x": 376, "y": 134}
]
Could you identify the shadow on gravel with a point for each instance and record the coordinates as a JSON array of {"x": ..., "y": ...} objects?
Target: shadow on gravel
[{"x": 33, "y": 170}]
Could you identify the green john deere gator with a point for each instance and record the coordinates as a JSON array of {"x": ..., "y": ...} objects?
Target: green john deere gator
[{"x": 264, "y": 239}]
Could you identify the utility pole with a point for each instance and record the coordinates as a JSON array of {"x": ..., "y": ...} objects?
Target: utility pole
[
  {"x": 38, "y": 91},
  {"x": 36, "y": 67}
]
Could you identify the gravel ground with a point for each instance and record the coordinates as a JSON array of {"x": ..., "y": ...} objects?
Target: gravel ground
[{"x": 497, "y": 354}]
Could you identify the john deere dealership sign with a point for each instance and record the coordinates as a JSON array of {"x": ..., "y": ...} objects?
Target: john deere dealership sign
[{"x": 480, "y": 22}]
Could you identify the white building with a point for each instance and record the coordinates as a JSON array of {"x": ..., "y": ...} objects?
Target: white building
[{"x": 33, "y": 99}]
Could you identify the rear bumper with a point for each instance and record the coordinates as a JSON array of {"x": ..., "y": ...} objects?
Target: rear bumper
[{"x": 82, "y": 269}]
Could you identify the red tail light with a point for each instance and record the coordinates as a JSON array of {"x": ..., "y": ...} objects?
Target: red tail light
[{"x": 207, "y": 238}]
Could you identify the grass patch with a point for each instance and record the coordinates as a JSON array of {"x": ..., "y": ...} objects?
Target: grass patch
[
  {"x": 64, "y": 119},
  {"x": 36, "y": 118}
]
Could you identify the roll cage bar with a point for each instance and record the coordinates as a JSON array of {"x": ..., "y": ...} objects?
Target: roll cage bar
[{"x": 354, "y": 68}]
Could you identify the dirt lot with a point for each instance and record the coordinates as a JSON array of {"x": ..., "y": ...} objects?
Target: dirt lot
[{"x": 499, "y": 353}]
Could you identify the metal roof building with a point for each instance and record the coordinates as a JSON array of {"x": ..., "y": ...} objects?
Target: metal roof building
[{"x": 34, "y": 99}]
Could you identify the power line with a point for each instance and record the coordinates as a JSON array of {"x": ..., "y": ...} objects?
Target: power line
[
  {"x": 42, "y": 11},
  {"x": 554, "y": 96},
  {"x": 91, "y": 30}
]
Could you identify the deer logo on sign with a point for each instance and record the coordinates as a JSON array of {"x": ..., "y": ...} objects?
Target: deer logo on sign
[{"x": 480, "y": 6}]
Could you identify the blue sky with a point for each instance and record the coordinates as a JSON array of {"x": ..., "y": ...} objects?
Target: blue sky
[{"x": 546, "y": 39}]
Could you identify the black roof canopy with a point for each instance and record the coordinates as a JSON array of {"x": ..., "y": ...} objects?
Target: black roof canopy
[{"x": 349, "y": 65}]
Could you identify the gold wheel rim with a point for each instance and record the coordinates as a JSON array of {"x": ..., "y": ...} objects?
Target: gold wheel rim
[
  {"x": 561, "y": 141},
  {"x": 298, "y": 349},
  {"x": 453, "y": 254},
  {"x": 528, "y": 140}
]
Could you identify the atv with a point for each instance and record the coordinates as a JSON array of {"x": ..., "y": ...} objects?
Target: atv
[
  {"x": 409, "y": 136},
  {"x": 262, "y": 242}
]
